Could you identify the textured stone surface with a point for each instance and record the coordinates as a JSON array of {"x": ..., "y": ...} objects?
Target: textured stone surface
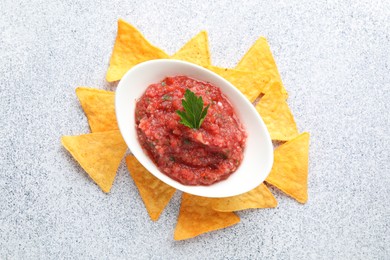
[{"x": 334, "y": 59}]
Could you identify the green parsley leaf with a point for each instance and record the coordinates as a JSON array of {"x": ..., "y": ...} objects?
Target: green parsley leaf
[{"x": 194, "y": 113}]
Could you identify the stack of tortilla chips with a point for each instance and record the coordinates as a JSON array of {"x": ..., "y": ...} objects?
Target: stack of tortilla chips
[{"x": 256, "y": 76}]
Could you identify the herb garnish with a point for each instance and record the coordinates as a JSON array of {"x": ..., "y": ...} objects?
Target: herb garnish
[
  {"x": 194, "y": 113},
  {"x": 166, "y": 97}
]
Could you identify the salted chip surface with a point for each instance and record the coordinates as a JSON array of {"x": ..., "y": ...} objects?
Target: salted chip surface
[
  {"x": 196, "y": 50},
  {"x": 99, "y": 154},
  {"x": 277, "y": 115},
  {"x": 99, "y": 107},
  {"x": 259, "y": 197},
  {"x": 259, "y": 58},
  {"x": 130, "y": 48},
  {"x": 154, "y": 193},
  {"x": 290, "y": 170},
  {"x": 196, "y": 217},
  {"x": 249, "y": 83}
]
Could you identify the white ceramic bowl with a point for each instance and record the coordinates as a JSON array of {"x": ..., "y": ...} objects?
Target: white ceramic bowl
[{"x": 258, "y": 154}]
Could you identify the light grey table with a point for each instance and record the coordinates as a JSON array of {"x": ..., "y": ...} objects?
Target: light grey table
[{"x": 334, "y": 59}]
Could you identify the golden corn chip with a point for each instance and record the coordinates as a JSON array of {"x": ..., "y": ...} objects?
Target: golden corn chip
[
  {"x": 99, "y": 107},
  {"x": 195, "y": 51},
  {"x": 290, "y": 169},
  {"x": 197, "y": 217},
  {"x": 260, "y": 58},
  {"x": 154, "y": 193},
  {"x": 259, "y": 197},
  {"x": 99, "y": 154},
  {"x": 130, "y": 49},
  {"x": 276, "y": 114},
  {"x": 250, "y": 83}
]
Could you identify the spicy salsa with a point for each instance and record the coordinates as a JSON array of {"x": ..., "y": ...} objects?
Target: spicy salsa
[{"x": 191, "y": 156}]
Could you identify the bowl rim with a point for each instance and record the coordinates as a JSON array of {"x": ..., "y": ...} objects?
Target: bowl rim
[{"x": 160, "y": 175}]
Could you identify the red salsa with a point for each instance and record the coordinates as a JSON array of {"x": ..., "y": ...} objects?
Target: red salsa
[{"x": 191, "y": 156}]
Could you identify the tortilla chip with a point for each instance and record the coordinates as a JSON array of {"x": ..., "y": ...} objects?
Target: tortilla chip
[
  {"x": 154, "y": 193},
  {"x": 130, "y": 49},
  {"x": 276, "y": 114},
  {"x": 99, "y": 154},
  {"x": 99, "y": 107},
  {"x": 290, "y": 169},
  {"x": 197, "y": 217},
  {"x": 195, "y": 51},
  {"x": 259, "y": 197},
  {"x": 250, "y": 83},
  {"x": 260, "y": 58}
]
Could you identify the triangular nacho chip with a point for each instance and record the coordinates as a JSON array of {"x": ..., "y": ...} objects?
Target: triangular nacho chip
[
  {"x": 99, "y": 154},
  {"x": 276, "y": 114},
  {"x": 249, "y": 83},
  {"x": 290, "y": 169},
  {"x": 259, "y": 197},
  {"x": 130, "y": 49},
  {"x": 197, "y": 217},
  {"x": 259, "y": 58},
  {"x": 99, "y": 107},
  {"x": 154, "y": 193},
  {"x": 195, "y": 51}
]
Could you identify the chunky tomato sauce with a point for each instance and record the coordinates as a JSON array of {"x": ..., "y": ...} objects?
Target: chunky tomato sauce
[{"x": 191, "y": 156}]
